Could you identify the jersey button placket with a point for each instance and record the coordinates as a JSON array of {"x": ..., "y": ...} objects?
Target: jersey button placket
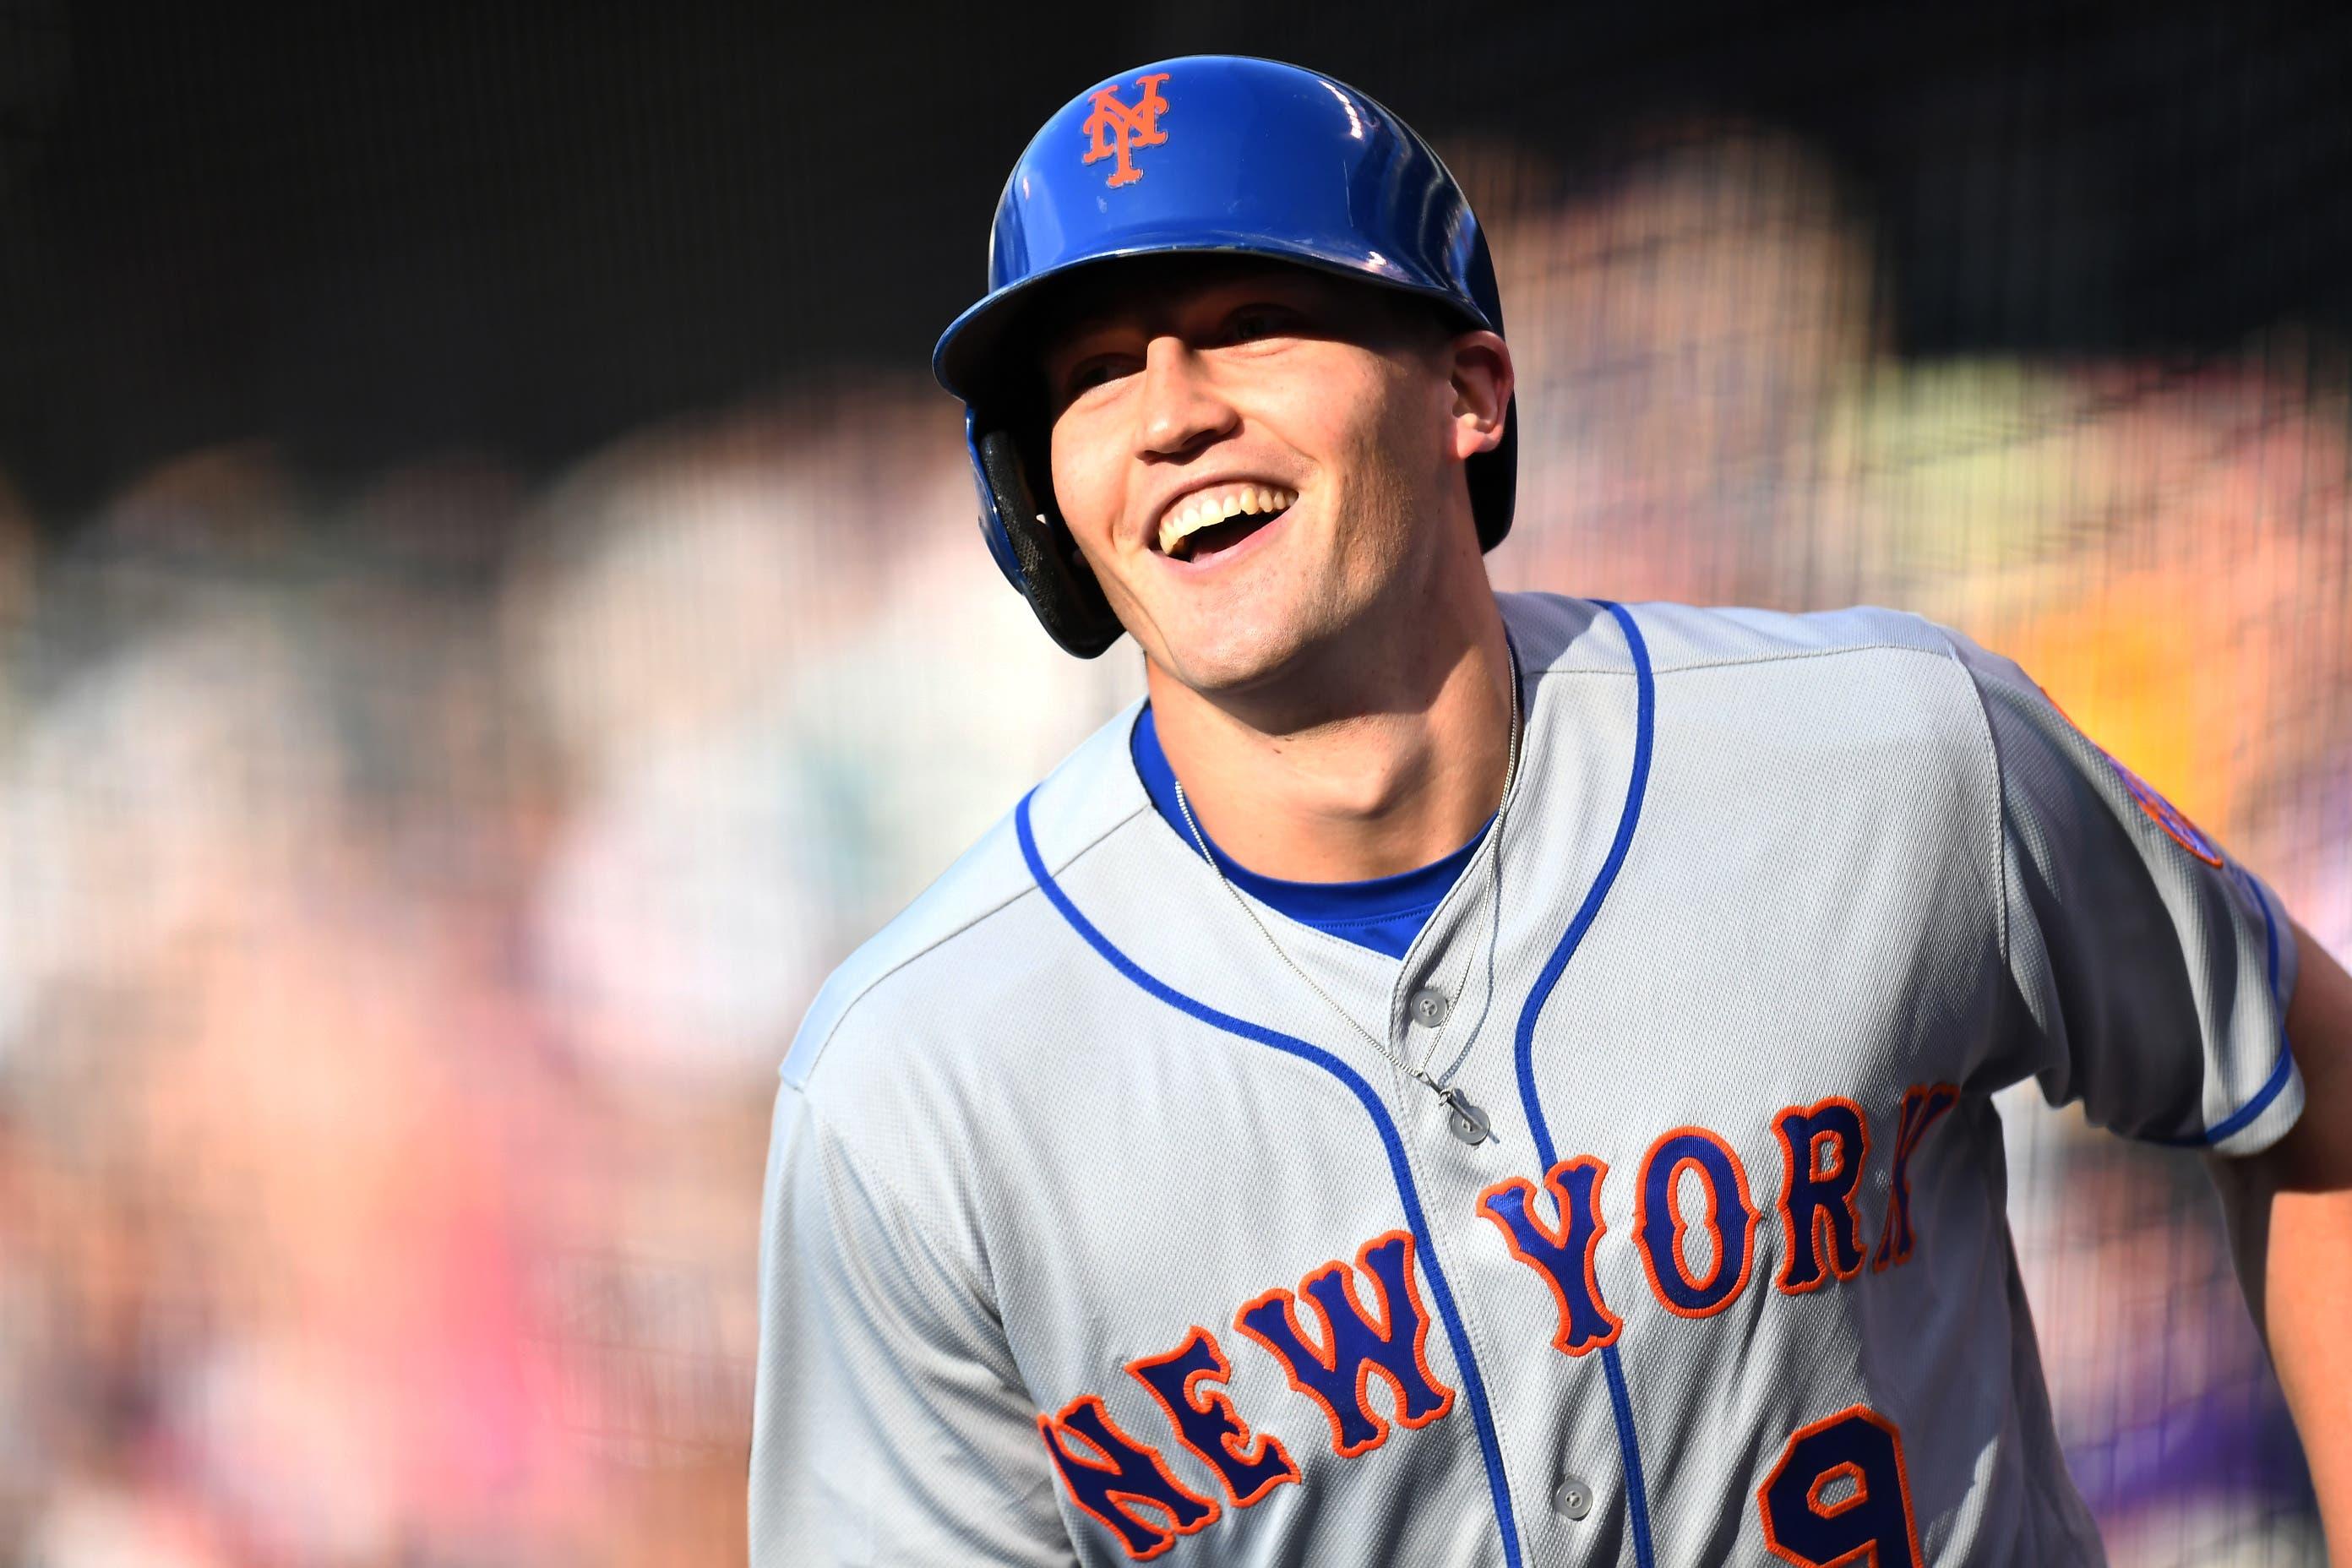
[
  {"x": 1416, "y": 1029},
  {"x": 1448, "y": 1244}
]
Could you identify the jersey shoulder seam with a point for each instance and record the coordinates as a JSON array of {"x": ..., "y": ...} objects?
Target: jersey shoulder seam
[
  {"x": 1989, "y": 747},
  {"x": 1784, "y": 656},
  {"x": 1788, "y": 656},
  {"x": 1947, "y": 654},
  {"x": 903, "y": 1210},
  {"x": 874, "y": 981}
]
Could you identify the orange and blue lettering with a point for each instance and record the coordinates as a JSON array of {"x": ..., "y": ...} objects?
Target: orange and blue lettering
[
  {"x": 1204, "y": 1420},
  {"x": 1563, "y": 1254},
  {"x": 1858, "y": 1452},
  {"x": 1357, "y": 1346},
  {"x": 1127, "y": 1476},
  {"x": 1922, "y": 1105},
  {"x": 1659, "y": 1223},
  {"x": 1824, "y": 1148}
]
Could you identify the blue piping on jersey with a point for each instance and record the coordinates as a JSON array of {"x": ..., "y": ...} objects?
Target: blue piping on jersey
[
  {"x": 1473, "y": 1384},
  {"x": 2279, "y": 1074},
  {"x": 1637, "y": 1501}
]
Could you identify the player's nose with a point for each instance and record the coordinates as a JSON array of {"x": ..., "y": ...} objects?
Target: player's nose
[{"x": 1179, "y": 410}]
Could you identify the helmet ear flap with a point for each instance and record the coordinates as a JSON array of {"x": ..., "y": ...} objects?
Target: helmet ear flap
[{"x": 1045, "y": 562}]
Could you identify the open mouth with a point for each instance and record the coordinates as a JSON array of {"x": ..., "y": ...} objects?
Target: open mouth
[{"x": 1216, "y": 520}]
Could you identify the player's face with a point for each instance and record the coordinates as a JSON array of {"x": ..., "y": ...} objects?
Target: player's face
[{"x": 1255, "y": 460}]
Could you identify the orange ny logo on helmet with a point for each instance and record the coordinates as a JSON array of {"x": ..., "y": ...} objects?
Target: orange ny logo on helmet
[{"x": 1131, "y": 126}]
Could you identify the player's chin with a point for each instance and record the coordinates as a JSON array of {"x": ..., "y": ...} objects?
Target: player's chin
[
  {"x": 1231, "y": 630},
  {"x": 1243, "y": 642}
]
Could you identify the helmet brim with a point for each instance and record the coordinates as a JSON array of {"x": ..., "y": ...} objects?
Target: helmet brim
[{"x": 975, "y": 357}]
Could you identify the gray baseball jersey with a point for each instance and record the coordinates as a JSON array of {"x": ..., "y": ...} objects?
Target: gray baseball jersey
[{"x": 1093, "y": 1234}]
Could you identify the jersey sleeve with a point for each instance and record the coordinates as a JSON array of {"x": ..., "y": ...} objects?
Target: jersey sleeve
[
  {"x": 2156, "y": 970},
  {"x": 890, "y": 1424}
]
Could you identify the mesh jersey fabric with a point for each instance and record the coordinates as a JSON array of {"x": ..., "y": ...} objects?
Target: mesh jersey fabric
[
  {"x": 1383, "y": 913},
  {"x": 1013, "y": 1159}
]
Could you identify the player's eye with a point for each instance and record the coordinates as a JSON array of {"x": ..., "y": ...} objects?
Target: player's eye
[
  {"x": 1254, "y": 324},
  {"x": 1095, "y": 369}
]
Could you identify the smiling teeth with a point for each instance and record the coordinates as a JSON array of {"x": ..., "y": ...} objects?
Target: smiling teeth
[{"x": 1216, "y": 506}]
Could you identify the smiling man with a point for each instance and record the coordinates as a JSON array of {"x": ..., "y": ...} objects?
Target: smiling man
[
  {"x": 1457, "y": 1078},
  {"x": 1262, "y": 467}
]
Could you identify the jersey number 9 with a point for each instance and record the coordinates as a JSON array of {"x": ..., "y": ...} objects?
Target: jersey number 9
[{"x": 1840, "y": 1496}]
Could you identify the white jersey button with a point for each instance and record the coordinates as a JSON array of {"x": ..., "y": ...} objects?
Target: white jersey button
[
  {"x": 1572, "y": 1497},
  {"x": 1430, "y": 1007}
]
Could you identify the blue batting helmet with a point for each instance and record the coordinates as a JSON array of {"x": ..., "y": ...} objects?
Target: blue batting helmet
[{"x": 1212, "y": 155}]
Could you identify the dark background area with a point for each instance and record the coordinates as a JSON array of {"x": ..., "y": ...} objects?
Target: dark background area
[{"x": 370, "y": 232}]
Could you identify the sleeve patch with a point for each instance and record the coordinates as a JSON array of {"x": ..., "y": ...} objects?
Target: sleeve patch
[{"x": 2166, "y": 815}]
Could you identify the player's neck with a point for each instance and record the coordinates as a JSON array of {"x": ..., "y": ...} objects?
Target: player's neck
[{"x": 1386, "y": 758}]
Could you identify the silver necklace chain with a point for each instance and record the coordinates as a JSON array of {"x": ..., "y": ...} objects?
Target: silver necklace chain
[{"x": 1467, "y": 1122}]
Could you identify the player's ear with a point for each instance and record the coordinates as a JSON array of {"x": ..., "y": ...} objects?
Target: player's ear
[{"x": 1479, "y": 369}]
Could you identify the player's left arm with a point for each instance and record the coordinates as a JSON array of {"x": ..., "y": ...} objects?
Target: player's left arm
[
  {"x": 2159, "y": 977},
  {"x": 2290, "y": 1214}
]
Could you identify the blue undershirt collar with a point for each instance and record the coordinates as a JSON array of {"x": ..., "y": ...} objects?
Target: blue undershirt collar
[{"x": 1383, "y": 913}]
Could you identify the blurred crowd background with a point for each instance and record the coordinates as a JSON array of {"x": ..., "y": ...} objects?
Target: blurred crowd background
[{"x": 413, "y": 866}]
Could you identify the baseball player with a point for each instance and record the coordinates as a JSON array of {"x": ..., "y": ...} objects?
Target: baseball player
[{"x": 1458, "y": 1078}]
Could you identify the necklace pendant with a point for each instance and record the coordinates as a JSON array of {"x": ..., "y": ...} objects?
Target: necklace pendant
[{"x": 1464, "y": 1119}]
